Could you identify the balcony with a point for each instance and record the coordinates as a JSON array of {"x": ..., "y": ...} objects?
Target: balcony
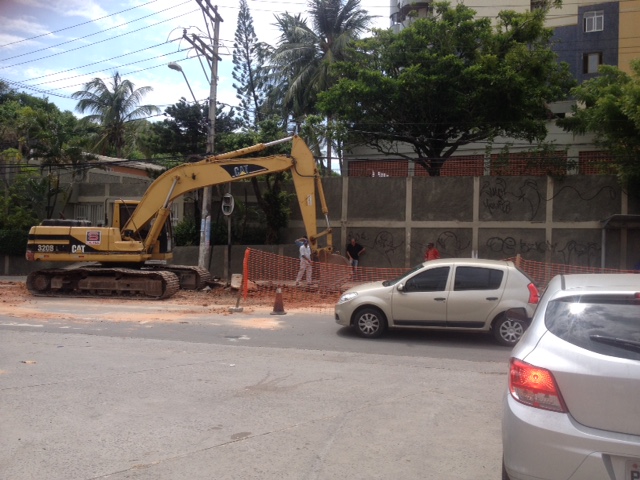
[{"x": 411, "y": 9}]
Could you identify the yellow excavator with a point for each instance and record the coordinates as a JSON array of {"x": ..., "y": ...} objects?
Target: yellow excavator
[{"x": 132, "y": 257}]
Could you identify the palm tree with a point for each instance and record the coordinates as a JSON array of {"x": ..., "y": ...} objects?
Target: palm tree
[
  {"x": 303, "y": 55},
  {"x": 112, "y": 106}
]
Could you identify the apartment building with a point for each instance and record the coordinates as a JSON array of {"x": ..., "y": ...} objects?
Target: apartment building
[{"x": 587, "y": 34}]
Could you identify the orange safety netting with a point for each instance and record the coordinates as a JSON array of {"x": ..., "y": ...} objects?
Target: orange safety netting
[
  {"x": 266, "y": 275},
  {"x": 541, "y": 273}
]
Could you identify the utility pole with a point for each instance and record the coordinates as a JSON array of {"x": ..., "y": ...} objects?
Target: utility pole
[{"x": 210, "y": 52}]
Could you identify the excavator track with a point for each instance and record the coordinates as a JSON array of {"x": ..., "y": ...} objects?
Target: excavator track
[
  {"x": 190, "y": 277},
  {"x": 103, "y": 283}
]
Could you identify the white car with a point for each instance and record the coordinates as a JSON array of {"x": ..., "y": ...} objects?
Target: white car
[
  {"x": 452, "y": 294},
  {"x": 572, "y": 408}
]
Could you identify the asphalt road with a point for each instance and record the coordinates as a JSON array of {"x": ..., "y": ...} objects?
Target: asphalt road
[{"x": 242, "y": 396}]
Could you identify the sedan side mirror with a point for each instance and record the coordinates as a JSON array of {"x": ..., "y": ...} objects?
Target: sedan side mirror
[{"x": 400, "y": 287}]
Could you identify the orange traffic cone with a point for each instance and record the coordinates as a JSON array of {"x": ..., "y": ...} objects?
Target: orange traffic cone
[{"x": 278, "y": 307}]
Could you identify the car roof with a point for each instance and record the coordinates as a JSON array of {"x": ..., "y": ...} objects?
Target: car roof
[
  {"x": 470, "y": 261},
  {"x": 597, "y": 282}
]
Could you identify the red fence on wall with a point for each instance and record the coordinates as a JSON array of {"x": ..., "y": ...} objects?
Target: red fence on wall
[{"x": 513, "y": 164}]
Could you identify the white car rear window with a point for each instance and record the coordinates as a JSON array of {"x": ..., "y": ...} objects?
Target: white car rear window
[{"x": 605, "y": 324}]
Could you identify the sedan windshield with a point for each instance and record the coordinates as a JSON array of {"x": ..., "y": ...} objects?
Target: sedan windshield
[{"x": 388, "y": 283}]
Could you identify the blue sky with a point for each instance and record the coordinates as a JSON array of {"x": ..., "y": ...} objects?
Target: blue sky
[{"x": 51, "y": 48}]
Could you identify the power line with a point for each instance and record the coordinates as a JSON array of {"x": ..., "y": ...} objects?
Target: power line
[
  {"x": 77, "y": 25},
  {"x": 92, "y": 34},
  {"x": 94, "y": 63},
  {"x": 102, "y": 61},
  {"x": 100, "y": 41},
  {"x": 570, "y": 44},
  {"x": 37, "y": 90}
]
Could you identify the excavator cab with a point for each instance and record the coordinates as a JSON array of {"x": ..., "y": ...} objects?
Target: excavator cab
[{"x": 122, "y": 211}]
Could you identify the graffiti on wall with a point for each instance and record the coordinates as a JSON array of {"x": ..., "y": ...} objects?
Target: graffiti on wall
[
  {"x": 525, "y": 198},
  {"x": 383, "y": 242},
  {"x": 510, "y": 246},
  {"x": 582, "y": 253},
  {"x": 496, "y": 197},
  {"x": 605, "y": 191},
  {"x": 572, "y": 252},
  {"x": 450, "y": 245},
  {"x": 386, "y": 245}
]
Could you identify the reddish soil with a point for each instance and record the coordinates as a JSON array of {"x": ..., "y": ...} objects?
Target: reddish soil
[{"x": 16, "y": 301}]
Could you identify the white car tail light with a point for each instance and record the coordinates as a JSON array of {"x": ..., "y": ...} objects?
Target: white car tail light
[
  {"x": 534, "y": 294},
  {"x": 535, "y": 387}
]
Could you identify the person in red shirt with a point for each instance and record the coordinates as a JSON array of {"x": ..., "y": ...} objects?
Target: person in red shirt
[{"x": 431, "y": 253}]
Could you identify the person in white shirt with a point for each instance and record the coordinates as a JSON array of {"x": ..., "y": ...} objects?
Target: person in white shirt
[{"x": 305, "y": 261}]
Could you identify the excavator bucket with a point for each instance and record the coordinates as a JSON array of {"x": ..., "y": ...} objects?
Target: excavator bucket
[
  {"x": 332, "y": 258},
  {"x": 335, "y": 271}
]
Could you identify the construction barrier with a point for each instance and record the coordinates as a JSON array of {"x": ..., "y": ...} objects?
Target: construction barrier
[
  {"x": 265, "y": 273},
  {"x": 541, "y": 273}
]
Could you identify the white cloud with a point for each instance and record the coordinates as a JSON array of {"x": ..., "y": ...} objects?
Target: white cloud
[{"x": 67, "y": 71}]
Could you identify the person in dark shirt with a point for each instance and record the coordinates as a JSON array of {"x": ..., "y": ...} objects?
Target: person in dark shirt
[{"x": 354, "y": 250}]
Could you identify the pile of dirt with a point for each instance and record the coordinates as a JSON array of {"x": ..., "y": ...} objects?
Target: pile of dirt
[
  {"x": 217, "y": 297},
  {"x": 16, "y": 293},
  {"x": 13, "y": 293}
]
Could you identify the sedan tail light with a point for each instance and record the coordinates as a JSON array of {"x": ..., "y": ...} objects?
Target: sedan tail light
[
  {"x": 534, "y": 294},
  {"x": 535, "y": 387}
]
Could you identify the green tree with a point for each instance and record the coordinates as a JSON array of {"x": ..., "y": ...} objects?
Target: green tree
[
  {"x": 112, "y": 105},
  {"x": 273, "y": 199},
  {"x": 304, "y": 54},
  {"x": 34, "y": 128},
  {"x": 282, "y": 101},
  {"x": 248, "y": 69},
  {"x": 450, "y": 80},
  {"x": 184, "y": 132},
  {"x": 609, "y": 107},
  {"x": 23, "y": 200}
]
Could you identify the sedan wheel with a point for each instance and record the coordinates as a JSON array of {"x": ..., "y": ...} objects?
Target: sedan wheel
[
  {"x": 508, "y": 331},
  {"x": 370, "y": 323}
]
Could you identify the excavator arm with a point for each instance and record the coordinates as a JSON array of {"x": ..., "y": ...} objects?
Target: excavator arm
[{"x": 230, "y": 167}]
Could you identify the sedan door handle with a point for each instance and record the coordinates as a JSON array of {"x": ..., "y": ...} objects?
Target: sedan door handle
[
  {"x": 492, "y": 298},
  {"x": 440, "y": 299}
]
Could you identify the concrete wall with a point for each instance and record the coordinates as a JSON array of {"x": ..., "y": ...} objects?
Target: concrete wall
[
  {"x": 541, "y": 218},
  {"x": 555, "y": 220},
  {"x": 629, "y": 42}
]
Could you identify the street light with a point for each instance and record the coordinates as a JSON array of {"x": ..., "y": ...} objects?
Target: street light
[
  {"x": 178, "y": 68},
  {"x": 205, "y": 221}
]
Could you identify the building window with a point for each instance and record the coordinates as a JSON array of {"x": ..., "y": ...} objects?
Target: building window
[
  {"x": 94, "y": 212},
  {"x": 175, "y": 214},
  {"x": 594, "y": 21},
  {"x": 538, "y": 4},
  {"x": 591, "y": 62}
]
